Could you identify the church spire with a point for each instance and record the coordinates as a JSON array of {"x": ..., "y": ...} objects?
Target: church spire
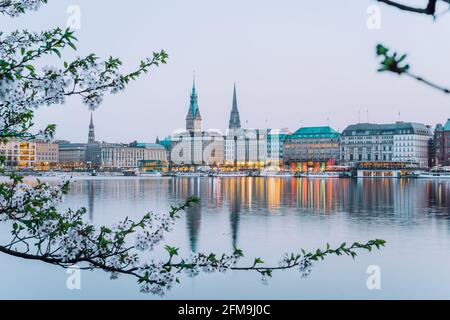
[
  {"x": 193, "y": 112},
  {"x": 235, "y": 120},
  {"x": 193, "y": 118},
  {"x": 91, "y": 136}
]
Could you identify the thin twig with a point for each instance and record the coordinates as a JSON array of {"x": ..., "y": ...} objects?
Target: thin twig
[
  {"x": 428, "y": 83},
  {"x": 429, "y": 10}
]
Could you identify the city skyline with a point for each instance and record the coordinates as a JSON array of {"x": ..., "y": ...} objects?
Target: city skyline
[
  {"x": 325, "y": 72},
  {"x": 234, "y": 121},
  {"x": 224, "y": 150}
]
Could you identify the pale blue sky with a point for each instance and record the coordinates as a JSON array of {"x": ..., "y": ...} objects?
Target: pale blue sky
[{"x": 295, "y": 63}]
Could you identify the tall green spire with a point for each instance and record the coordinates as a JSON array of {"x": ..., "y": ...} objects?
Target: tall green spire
[
  {"x": 194, "y": 112},
  {"x": 193, "y": 118}
]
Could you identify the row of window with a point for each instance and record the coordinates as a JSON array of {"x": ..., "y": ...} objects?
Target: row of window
[
  {"x": 368, "y": 138},
  {"x": 368, "y": 157}
]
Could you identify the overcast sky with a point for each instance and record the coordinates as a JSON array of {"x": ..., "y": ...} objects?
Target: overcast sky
[{"x": 296, "y": 63}]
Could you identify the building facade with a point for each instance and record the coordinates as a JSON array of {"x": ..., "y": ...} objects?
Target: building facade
[
  {"x": 37, "y": 154},
  {"x": 206, "y": 148},
  {"x": 192, "y": 146},
  {"x": 47, "y": 155},
  {"x": 401, "y": 142},
  {"x": 244, "y": 148},
  {"x": 128, "y": 156},
  {"x": 19, "y": 154},
  {"x": 187, "y": 145},
  {"x": 213, "y": 148},
  {"x": 312, "y": 149},
  {"x": 71, "y": 155},
  {"x": 442, "y": 144},
  {"x": 275, "y": 146}
]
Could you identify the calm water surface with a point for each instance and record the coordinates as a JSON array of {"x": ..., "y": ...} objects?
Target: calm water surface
[{"x": 267, "y": 217}]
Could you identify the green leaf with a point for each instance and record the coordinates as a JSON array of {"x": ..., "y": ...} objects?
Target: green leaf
[
  {"x": 57, "y": 52},
  {"x": 171, "y": 250},
  {"x": 238, "y": 252},
  {"x": 30, "y": 68}
]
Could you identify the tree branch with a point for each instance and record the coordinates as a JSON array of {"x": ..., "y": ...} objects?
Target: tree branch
[
  {"x": 393, "y": 62},
  {"x": 429, "y": 10},
  {"x": 428, "y": 83}
]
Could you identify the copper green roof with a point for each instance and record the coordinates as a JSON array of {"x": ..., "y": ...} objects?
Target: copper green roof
[
  {"x": 146, "y": 145},
  {"x": 194, "y": 112},
  {"x": 166, "y": 143},
  {"x": 315, "y": 133},
  {"x": 400, "y": 127},
  {"x": 447, "y": 126}
]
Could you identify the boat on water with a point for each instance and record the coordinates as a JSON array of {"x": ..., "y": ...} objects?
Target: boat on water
[
  {"x": 231, "y": 174},
  {"x": 151, "y": 174},
  {"x": 48, "y": 174},
  {"x": 129, "y": 173},
  {"x": 189, "y": 174},
  {"x": 276, "y": 174},
  {"x": 433, "y": 175},
  {"x": 321, "y": 175}
]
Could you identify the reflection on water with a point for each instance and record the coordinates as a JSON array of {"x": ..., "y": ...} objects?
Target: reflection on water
[
  {"x": 267, "y": 217},
  {"x": 361, "y": 199}
]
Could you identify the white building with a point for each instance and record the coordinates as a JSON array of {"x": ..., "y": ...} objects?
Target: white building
[
  {"x": 193, "y": 146},
  {"x": 246, "y": 147},
  {"x": 213, "y": 147},
  {"x": 204, "y": 148},
  {"x": 275, "y": 146},
  {"x": 123, "y": 156},
  {"x": 402, "y": 142},
  {"x": 47, "y": 154},
  {"x": 411, "y": 145}
]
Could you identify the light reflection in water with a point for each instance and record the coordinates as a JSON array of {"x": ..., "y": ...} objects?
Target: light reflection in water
[
  {"x": 267, "y": 217},
  {"x": 267, "y": 196}
]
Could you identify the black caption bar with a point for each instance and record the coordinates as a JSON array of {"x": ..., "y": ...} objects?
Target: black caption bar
[{"x": 198, "y": 310}]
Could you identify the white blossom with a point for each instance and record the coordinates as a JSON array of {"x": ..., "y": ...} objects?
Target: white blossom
[
  {"x": 305, "y": 267},
  {"x": 14, "y": 8}
]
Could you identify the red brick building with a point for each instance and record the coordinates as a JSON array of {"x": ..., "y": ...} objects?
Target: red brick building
[{"x": 442, "y": 144}]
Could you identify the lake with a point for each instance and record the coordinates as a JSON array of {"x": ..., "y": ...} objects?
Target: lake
[{"x": 267, "y": 217}]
